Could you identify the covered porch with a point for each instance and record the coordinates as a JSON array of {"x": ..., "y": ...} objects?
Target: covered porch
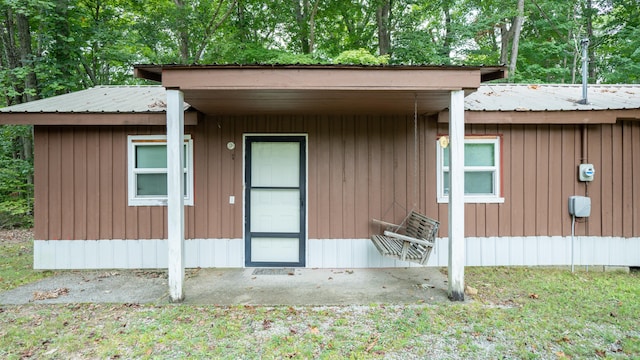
[{"x": 216, "y": 90}]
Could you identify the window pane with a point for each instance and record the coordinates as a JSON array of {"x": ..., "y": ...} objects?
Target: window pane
[
  {"x": 151, "y": 156},
  {"x": 445, "y": 156},
  {"x": 479, "y": 155},
  {"x": 445, "y": 183},
  {"x": 152, "y": 184},
  {"x": 478, "y": 182}
]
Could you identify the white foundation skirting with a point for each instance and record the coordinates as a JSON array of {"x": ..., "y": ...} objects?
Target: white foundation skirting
[{"x": 337, "y": 253}]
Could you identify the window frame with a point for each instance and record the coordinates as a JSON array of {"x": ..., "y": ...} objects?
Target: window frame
[
  {"x": 133, "y": 141},
  {"x": 496, "y": 196}
]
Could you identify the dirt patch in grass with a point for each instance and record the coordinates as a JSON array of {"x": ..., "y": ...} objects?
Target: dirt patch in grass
[{"x": 15, "y": 236}]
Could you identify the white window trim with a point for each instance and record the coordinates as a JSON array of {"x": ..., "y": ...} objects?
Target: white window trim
[
  {"x": 496, "y": 197},
  {"x": 135, "y": 200}
]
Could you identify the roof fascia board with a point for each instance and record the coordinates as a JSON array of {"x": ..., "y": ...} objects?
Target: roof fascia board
[
  {"x": 143, "y": 73},
  {"x": 544, "y": 117},
  {"x": 190, "y": 118},
  {"x": 320, "y": 79}
]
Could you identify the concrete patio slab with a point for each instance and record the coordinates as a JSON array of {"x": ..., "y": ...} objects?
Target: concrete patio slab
[{"x": 248, "y": 286}]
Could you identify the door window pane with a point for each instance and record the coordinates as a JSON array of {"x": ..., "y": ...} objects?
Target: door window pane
[
  {"x": 275, "y": 164},
  {"x": 275, "y": 210}
]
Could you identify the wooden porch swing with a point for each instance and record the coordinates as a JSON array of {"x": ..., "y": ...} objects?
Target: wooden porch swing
[
  {"x": 411, "y": 241},
  {"x": 414, "y": 238}
]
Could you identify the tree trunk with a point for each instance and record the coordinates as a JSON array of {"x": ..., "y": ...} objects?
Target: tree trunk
[
  {"x": 301, "y": 20},
  {"x": 11, "y": 54},
  {"x": 505, "y": 35},
  {"x": 446, "y": 44},
  {"x": 383, "y": 15},
  {"x": 589, "y": 19},
  {"x": 517, "y": 26},
  {"x": 26, "y": 57},
  {"x": 183, "y": 33}
]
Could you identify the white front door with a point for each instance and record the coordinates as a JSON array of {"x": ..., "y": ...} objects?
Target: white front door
[{"x": 275, "y": 201}]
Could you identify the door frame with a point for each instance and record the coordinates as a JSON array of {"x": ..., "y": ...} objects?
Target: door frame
[{"x": 303, "y": 139}]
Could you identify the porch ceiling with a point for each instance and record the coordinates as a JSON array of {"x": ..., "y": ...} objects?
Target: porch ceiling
[{"x": 250, "y": 90}]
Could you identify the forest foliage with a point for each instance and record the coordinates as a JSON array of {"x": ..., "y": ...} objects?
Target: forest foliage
[{"x": 50, "y": 47}]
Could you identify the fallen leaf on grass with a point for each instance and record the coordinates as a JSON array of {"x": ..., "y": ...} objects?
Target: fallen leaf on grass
[
  {"x": 470, "y": 290},
  {"x": 601, "y": 353},
  {"x": 534, "y": 296},
  {"x": 44, "y": 295},
  {"x": 373, "y": 343},
  {"x": 314, "y": 330},
  {"x": 562, "y": 355}
]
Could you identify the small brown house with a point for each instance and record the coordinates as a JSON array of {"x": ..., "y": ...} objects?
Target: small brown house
[{"x": 287, "y": 165}]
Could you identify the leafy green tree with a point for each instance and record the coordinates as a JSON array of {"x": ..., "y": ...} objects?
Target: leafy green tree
[
  {"x": 360, "y": 56},
  {"x": 16, "y": 177}
]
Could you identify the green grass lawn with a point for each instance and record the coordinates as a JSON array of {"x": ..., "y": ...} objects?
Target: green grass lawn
[{"x": 524, "y": 313}]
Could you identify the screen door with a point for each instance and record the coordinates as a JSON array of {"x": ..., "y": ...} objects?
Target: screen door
[{"x": 275, "y": 201}]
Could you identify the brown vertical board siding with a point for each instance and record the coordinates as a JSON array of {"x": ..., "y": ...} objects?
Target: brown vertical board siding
[
  {"x": 401, "y": 172},
  {"x": 228, "y": 163},
  {"x": 323, "y": 190},
  {"x": 349, "y": 177},
  {"x": 336, "y": 177},
  {"x": 617, "y": 179},
  {"x": 590, "y": 225},
  {"x": 555, "y": 198},
  {"x": 93, "y": 184},
  {"x": 67, "y": 190},
  {"x": 604, "y": 172},
  {"x": 201, "y": 179},
  {"x": 41, "y": 182},
  {"x": 627, "y": 179},
  {"x": 359, "y": 167},
  {"x": 213, "y": 175},
  {"x": 312, "y": 177},
  {"x": 518, "y": 187},
  {"x": 530, "y": 180},
  {"x": 55, "y": 188},
  {"x": 374, "y": 172},
  {"x": 543, "y": 180},
  {"x": 635, "y": 187},
  {"x": 504, "y": 210},
  {"x": 106, "y": 183},
  {"x": 80, "y": 191},
  {"x": 386, "y": 172},
  {"x": 361, "y": 181}
]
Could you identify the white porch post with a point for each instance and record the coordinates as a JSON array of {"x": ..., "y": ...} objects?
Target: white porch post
[
  {"x": 456, "y": 196},
  {"x": 175, "y": 197}
]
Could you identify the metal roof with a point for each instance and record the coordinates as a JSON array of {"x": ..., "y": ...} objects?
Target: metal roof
[
  {"x": 521, "y": 97},
  {"x": 100, "y": 99},
  {"x": 492, "y": 97}
]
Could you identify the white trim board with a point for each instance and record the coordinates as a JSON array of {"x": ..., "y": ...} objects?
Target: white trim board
[{"x": 337, "y": 253}]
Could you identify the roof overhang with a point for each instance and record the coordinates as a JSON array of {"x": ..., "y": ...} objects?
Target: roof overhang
[
  {"x": 318, "y": 89},
  {"x": 545, "y": 117},
  {"x": 91, "y": 118}
]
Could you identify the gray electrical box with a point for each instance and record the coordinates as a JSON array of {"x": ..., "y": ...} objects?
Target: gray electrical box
[{"x": 579, "y": 206}]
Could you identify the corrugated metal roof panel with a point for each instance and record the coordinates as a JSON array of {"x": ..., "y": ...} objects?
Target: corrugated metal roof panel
[
  {"x": 520, "y": 97},
  {"x": 100, "y": 99}
]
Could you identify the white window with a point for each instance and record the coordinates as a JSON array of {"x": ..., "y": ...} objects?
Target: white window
[
  {"x": 147, "y": 170},
  {"x": 482, "y": 177}
]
